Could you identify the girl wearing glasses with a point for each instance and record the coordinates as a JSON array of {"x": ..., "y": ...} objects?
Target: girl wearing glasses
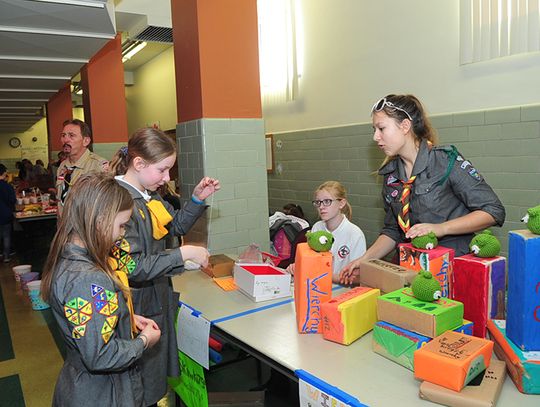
[
  {"x": 335, "y": 213},
  {"x": 426, "y": 188}
]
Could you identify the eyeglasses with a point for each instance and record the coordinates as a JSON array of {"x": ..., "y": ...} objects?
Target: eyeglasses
[
  {"x": 377, "y": 107},
  {"x": 324, "y": 202}
]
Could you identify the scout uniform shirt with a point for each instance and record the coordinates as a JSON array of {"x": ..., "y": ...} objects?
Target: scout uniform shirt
[
  {"x": 447, "y": 186},
  {"x": 151, "y": 286},
  {"x": 101, "y": 366},
  {"x": 68, "y": 172}
]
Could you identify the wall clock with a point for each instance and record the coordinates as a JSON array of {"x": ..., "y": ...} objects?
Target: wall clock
[{"x": 14, "y": 142}]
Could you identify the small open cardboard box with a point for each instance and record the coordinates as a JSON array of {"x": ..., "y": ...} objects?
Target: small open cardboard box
[
  {"x": 262, "y": 282},
  {"x": 219, "y": 265}
]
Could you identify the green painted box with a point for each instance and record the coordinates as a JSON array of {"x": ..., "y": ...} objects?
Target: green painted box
[{"x": 431, "y": 319}]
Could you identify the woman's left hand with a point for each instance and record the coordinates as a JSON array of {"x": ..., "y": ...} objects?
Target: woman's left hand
[
  {"x": 421, "y": 229},
  {"x": 205, "y": 188}
]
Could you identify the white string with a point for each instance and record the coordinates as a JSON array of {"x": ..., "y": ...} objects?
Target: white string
[{"x": 208, "y": 229}]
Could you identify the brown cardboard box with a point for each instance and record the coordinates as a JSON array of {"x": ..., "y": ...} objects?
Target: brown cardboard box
[
  {"x": 219, "y": 265},
  {"x": 483, "y": 395},
  {"x": 385, "y": 276}
]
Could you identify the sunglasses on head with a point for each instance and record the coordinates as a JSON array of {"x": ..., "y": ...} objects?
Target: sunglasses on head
[{"x": 380, "y": 105}]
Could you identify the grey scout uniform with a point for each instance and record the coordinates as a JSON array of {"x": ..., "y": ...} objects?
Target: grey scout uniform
[
  {"x": 151, "y": 287},
  {"x": 101, "y": 363},
  {"x": 447, "y": 186}
]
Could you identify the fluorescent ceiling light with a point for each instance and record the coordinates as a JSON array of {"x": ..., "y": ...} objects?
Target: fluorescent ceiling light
[{"x": 133, "y": 51}]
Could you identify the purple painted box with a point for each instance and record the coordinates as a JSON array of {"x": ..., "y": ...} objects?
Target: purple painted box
[{"x": 523, "y": 319}]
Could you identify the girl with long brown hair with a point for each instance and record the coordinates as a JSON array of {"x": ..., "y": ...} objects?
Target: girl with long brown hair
[{"x": 90, "y": 302}]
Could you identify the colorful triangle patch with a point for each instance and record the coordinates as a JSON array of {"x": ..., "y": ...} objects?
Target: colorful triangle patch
[
  {"x": 78, "y": 331},
  {"x": 106, "y": 336}
]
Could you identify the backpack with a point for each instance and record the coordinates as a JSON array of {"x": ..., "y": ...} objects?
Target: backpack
[{"x": 285, "y": 235}]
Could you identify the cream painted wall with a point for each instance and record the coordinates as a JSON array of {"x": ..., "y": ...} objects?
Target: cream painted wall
[
  {"x": 153, "y": 97},
  {"x": 357, "y": 51},
  {"x": 32, "y": 150}
]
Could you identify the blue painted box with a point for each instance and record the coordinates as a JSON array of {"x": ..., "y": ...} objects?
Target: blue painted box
[{"x": 523, "y": 308}]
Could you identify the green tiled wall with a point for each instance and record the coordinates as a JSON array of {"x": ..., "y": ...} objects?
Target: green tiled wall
[
  {"x": 503, "y": 144},
  {"x": 232, "y": 150}
]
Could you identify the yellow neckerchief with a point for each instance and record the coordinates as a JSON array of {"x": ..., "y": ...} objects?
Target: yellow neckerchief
[
  {"x": 122, "y": 276},
  {"x": 160, "y": 218}
]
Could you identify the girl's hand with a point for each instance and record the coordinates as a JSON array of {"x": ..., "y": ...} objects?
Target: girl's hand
[
  {"x": 349, "y": 274},
  {"x": 141, "y": 322},
  {"x": 422, "y": 229},
  {"x": 152, "y": 333},
  {"x": 206, "y": 187},
  {"x": 196, "y": 254},
  {"x": 290, "y": 269}
]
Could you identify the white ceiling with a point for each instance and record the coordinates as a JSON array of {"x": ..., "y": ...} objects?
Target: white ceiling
[{"x": 44, "y": 44}]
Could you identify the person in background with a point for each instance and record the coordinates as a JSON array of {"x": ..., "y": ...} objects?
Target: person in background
[
  {"x": 294, "y": 210},
  {"x": 291, "y": 212},
  {"x": 330, "y": 199},
  {"x": 7, "y": 207},
  {"x": 76, "y": 139},
  {"x": 39, "y": 169},
  {"x": 142, "y": 168},
  {"x": 426, "y": 188}
]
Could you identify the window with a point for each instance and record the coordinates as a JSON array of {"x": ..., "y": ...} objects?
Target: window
[
  {"x": 280, "y": 45},
  {"x": 497, "y": 28}
]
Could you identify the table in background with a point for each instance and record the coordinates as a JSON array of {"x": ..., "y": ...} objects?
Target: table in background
[
  {"x": 32, "y": 236},
  {"x": 268, "y": 331}
]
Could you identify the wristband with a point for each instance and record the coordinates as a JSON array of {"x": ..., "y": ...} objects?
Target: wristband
[
  {"x": 196, "y": 200},
  {"x": 144, "y": 338}
]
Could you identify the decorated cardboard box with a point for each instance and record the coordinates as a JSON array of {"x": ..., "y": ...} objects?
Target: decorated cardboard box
[
  {"x": 482, "y": 394},
  {"x": 523, "y": 316},
  {"x": 431, "y": 319},
  {"x": 523, "y": 367},
  {"x": 312, "y": 287},
  {"x": 385, "y": 276},
  {"x": 399, "y": 345},
  {"x": 262, "y": 282},
  {"x": 438, "y": 261},
  {"x": 350, "y": 315},
  {"x": 452, "y": 359},
  {"x": 480, "y": 284}
]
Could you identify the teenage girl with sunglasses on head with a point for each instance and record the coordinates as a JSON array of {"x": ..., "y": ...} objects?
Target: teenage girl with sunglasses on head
[
  {"x": 426, "y": 188},
  {"x": 330, "y": 199},
  {"x": 141, "y": 169},
  {"x": 91, "y": 304}
]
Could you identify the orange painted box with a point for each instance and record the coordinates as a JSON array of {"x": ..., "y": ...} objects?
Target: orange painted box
[
  {"x": 350, "y": 315},
  {"x": 452, "y": 359},
  {"x": 312, "y": 287},
  {"x": 439, "y": 261}
]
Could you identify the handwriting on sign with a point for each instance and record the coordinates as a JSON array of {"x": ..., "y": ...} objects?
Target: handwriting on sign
[{"x": 313, "y": 312}]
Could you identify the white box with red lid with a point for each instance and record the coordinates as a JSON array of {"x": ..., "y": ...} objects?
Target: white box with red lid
[{"x": 262, "y": 282}]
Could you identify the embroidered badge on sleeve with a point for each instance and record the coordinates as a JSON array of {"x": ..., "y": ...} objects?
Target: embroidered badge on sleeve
[
  {"x": 78, "y": 311},
  {"x": 106, "y": 303},
  {"x": 120, "y": 257}
]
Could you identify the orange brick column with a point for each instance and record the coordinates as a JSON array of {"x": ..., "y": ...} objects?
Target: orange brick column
[
  {"x": 59, "y": 109},
  {"x": 102, "y": 81},
  {"x": 220, "y": 131}
]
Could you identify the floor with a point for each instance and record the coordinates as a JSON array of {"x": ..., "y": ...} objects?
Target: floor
[{"x": 31, "y": 358}]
